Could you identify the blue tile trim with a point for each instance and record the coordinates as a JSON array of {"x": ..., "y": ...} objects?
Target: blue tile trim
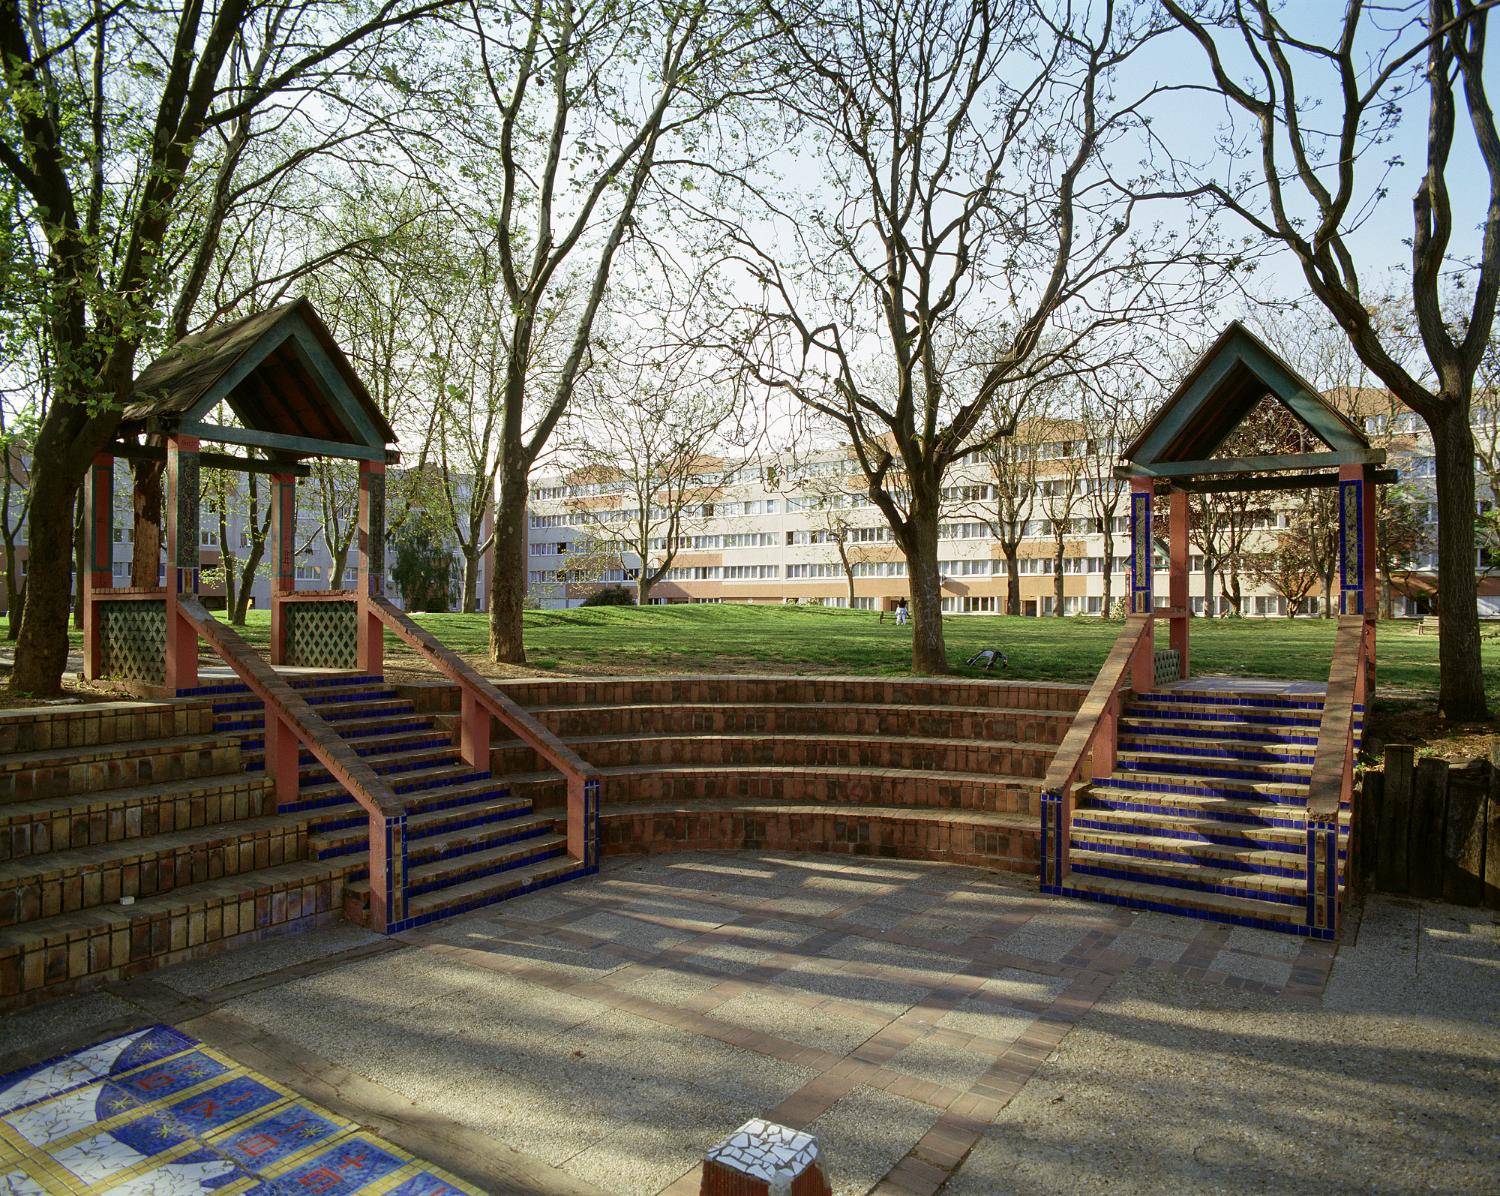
[
  {"x": 1196, "y": 886},
  {"x": 1291, "y": 871},
  {"x": 1205, "y": 915}
]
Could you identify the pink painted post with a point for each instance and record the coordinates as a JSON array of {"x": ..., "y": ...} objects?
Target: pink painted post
[
  {"x": 283, "y": 557},
  {"x": 283, "y": 763},
  {"x": 1177, "y": 583},
  {"x": 182, "y": 559},
  {"x": 98, "y": 574},
  {"x": 371, "y": 636},
  {"x": 473, "y": 730}
]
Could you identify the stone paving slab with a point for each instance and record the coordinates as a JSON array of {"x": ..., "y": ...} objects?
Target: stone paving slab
[{"x": 939, "y": 1028}]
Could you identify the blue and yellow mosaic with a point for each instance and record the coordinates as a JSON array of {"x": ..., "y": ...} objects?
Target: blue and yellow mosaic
[{"x": 157, "y": 1112}]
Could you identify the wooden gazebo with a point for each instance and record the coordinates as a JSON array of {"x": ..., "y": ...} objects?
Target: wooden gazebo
[{"x": 294, "y": 396}]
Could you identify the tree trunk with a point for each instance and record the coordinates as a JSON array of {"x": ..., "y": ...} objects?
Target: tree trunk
[
  {"x": 1057, "y": 581},
  {"x": 929, "y": 654},
  {"x": 145, "y": 561},
  {"x": 247, "y": 581},
  {"x": 42, "y": 646},
  {"x": 79, "y": 560},
  {"x": 1109, "y": 564},
  {"x": 1012, "y": 576},
  {"x": 1328, "y": 597},
  {"x": 1210, "y": 599},
  {"x": 508, "y": 586},
  {"x": 1460, "y": 675},
  {"x": 470, "y": 601},
  {"x": 15, "y": 593}
]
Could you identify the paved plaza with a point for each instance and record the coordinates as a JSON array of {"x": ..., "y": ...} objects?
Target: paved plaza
[{"x": 937, "y": 1028}]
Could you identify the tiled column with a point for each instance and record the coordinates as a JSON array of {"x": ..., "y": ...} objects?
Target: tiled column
[
  {"x": 371, "y": 639},
  {"x": 283, "y": 557},
  {"x": 1177, "y": 585},
  {"x": 99, "y": 550},
  {"x": 1141, "y": 601},
  {"x": 1323, "y": 878},
  {"x": 387, "y": 873},
  {"x": 1356, "y": 542},
  {"x": 182, "y": 559},
  {"x": 1054, "y": 842}
]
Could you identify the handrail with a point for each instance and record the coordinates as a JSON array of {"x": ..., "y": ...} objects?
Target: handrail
[
  {"x": 290, "y": 720},
  {"x": 1117, "y": 673},
  {"x": 1332, "y": 777},
  {"x": 482, "y": 701},
  {"x": 1332, "y": 781},
  {"x": 1091, "y": 738},
  {"x": 343, "y": 763}
]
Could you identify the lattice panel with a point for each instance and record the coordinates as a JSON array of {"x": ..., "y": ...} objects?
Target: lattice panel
[
  {"x": 1168, "y": 667},
  {"x": 133, "y": 640},
  {"x": 322, "y": 635}
]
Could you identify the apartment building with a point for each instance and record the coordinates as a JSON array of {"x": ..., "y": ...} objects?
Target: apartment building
[{"x": 768, "y": 534}]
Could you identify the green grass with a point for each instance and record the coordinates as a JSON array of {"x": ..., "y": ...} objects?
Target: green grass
[{"x": 789, "y": 639}]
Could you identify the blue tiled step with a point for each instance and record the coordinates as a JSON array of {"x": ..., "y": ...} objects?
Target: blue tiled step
[
  {"x": 1213, "y": 907},
  {"x": 1176, "y": 764},
  {"x": 1248, "y": 833},
  {"x": 1279, "y": 860},
  {"x": 483, "y": 860},
  {"x": 1194, "y": 877},
  {"x": 487, "y": 890},
  {"x": 372, "y": 747},
  {"x": 1237, "y": 732},
  {"x": 1139, "y": 781},
  {"x": 1176, "y": 698},
  {"x": 1208, "y": 753},
  {"x": 482, "y": 811}
]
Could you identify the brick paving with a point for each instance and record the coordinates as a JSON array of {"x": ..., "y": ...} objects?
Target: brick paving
[{"x": 602, "y": 1035}]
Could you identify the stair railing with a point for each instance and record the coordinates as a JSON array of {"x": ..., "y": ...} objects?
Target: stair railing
[
  {"x": 1088, "y": 748},
  {"x": 480, "y": 703},
  {"x": 291, "y": 724},
  {"x": 1331, "y": 785}
]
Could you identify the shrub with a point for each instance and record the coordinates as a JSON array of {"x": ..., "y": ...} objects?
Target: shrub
[{"x": 610, "y": 596}]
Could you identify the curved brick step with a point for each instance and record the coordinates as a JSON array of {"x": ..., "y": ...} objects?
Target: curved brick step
[
  {"x": 117, "y": 942},
  {"x": 810, "y": 784},
  {"x": 959, "y": 836},
  {"x": 58, "y": 772},
  {"x": 34, "y": 729},
  {"x": 80, "y": 878},
  {"x": 828, "y": 750},
  {"x": 844, "y": 718},
  {"x": 115, "y": 815},
  {"x": 766, "y": 690}
]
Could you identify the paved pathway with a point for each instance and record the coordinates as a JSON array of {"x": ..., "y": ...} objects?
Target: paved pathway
[{"x": 936, "y": 1027}]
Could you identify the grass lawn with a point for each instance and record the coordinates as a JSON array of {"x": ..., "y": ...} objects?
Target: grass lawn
[
  {"x": 796, "y": 639},
  {"x": 807, "y": 639}
]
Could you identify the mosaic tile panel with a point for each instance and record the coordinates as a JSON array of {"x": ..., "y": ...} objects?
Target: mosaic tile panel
[
  {"x": 133, "y": 640},
  {"x": 1168, "y": 667},
  {"x": 322, "y": 635},
  {"x": 155, "y": 1111}
]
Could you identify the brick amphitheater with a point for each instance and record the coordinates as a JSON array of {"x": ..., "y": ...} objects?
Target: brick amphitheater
[{"x": 165, "y": 803}]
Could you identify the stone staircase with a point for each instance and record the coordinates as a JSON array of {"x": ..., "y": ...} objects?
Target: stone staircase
[
  {"x": 472, "y": 835},
  {"x": 1205, "y": 811},
  {"x": 131, "y": 837},
  {"x": 892, "y": 767}
]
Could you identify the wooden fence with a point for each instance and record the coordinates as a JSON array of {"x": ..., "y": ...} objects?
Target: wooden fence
[{"x": 1428, "y": 829}]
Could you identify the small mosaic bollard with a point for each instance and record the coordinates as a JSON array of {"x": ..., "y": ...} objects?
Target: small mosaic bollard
[{"x": 764, "y": 1159}]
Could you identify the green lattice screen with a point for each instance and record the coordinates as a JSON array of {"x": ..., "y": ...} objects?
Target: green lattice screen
[
  {"x": 1168, "y": 667},
  {"x": 133, "y": 640},
  {"x": 322, "y": 635}
]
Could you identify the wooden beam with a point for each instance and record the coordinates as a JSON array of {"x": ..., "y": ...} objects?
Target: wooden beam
[
  {"x": 303, "y": 446},
  {"x": 210, "y": 460},
  {"x": 1284, "y": 481}
]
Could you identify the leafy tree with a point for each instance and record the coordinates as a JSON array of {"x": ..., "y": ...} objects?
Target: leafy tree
[
  {"x": 1315, "y": 180},
  {"x": 422, "y": 568}
]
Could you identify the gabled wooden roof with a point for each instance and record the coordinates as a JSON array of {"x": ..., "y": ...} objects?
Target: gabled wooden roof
[
  {"x": 281, "y": 373},
  {"x": 1219, "y": 392}
]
